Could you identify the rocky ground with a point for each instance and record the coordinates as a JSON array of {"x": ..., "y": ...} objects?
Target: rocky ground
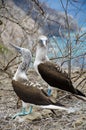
[{"x": 40, "y": 119}]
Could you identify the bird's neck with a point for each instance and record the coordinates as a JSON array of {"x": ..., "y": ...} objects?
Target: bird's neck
[
  {"x": 41, "y": 55},
  {"x": 21, "y": 72}
]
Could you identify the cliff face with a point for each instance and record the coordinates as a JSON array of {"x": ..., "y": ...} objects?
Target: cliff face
[
  {"x": 17, "y": 26},
  {"x": 23, "y": 22},
  {"x": 54, "y": 17}
]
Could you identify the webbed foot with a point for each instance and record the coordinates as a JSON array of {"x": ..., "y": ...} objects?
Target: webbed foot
[{"x": 23, "y": 112}]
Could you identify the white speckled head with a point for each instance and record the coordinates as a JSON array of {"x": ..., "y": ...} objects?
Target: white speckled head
[
  {"x": 26, "y": 59},
  {"x": 26, "y": 55}
]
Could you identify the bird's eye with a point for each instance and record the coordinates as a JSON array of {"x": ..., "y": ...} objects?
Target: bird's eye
[{"x": 40, "y": 41}]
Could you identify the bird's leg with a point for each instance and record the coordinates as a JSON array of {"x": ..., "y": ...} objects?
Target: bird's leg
[
  {"x": 23, "y": 112},
  {"x": 49, "y": 91},
  {"x": 30, "y": 109},
  {"x": 20, "y": 113}
]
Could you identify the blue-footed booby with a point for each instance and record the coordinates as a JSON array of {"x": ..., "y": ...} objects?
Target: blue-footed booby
[
  {"x": 28, "y": 93},
  {"x": 51, "y": 72},
  {"x": 20, "y": 74},
  {"x": 41, "y": 56}
]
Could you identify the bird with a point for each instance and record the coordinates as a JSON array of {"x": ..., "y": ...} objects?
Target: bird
[
  {"x": 28, "y": 93},
  {"x": 51, "y": 72},
  {"x": 20, "y": 74},
  {"x": 41, "y": 56}
]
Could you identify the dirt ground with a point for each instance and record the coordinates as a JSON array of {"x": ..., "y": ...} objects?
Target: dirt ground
[{"x": 44, "y": 119}]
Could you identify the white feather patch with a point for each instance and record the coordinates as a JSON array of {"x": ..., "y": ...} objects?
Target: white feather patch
[{"x": 54, "y": 107}]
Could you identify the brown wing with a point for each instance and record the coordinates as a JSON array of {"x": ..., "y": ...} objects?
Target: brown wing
[
  {"x": 54, "y": 76},
  {"x": 31, "y": 95}
]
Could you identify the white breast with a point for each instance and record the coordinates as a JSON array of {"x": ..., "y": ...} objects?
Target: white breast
[{"x": 20, "y": 75}]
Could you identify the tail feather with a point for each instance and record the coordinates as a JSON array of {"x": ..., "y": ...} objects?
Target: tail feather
[
  {"x": 53, "y": 112},
  {"x": 54, "y": 107},
  {"x": 80, "y": 95},
  {"x": 59, "y": 104},
  {"x": 78, "y": 92}
]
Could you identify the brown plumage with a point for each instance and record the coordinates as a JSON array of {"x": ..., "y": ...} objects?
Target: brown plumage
[
  {"x": 35, "y": 96},
  {"x": 54, "y": 76},
  {"x": 31, "y": 94}
]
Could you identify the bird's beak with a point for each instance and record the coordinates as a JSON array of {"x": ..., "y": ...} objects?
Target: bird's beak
[
  {"x": 44, "y": 42},
  {"x": 19, "y": 49}
]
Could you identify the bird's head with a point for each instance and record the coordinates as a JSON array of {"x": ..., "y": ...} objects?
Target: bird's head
[
  {"x": 26, "y": 54},
  {"x": 42, "y": 41},
  {"x": 23, "y": 51}
]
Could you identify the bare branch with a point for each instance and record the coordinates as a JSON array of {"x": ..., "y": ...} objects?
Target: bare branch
[
  {"x": 84, "y": 79},
  {"x": 7, "y": 66},
  {"x": 39, "y": 7}
]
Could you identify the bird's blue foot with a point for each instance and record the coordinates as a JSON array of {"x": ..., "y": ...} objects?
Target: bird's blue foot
[
  {"x": 30, "y": 109},
  {"x": 49, "y": 92},
  {"x": 23, "y": 112}
]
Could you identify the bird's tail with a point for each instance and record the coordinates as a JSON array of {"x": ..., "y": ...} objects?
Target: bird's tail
[
  {"x": 80, "y": 95},
  {"x": 78, "y": 92},
  {"x": 61, "y": 108}
]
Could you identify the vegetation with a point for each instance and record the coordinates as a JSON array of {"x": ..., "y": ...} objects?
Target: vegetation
[{"x": 3, "y": 49}]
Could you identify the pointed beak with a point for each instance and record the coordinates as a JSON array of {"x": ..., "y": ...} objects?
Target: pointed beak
[
  {"x": 16, "y": 47},
  {"x": 44, "y": 43}
]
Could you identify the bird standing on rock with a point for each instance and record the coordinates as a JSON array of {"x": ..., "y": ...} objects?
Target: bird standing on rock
[{"x": 20, "y": 74}]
